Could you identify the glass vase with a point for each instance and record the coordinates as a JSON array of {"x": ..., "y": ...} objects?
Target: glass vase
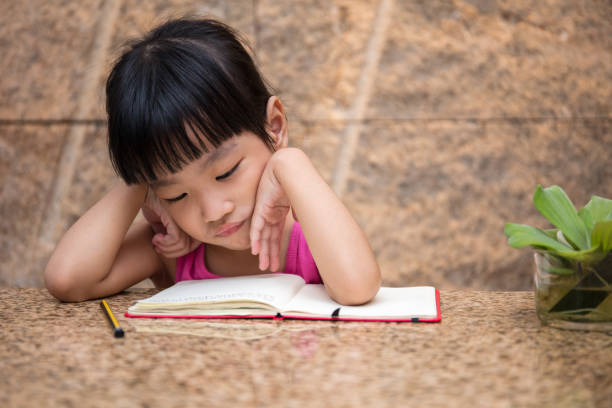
[{"x": 572, "y": 295}]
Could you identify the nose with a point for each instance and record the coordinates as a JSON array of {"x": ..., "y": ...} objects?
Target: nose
[{"x": 215, "y": 207}]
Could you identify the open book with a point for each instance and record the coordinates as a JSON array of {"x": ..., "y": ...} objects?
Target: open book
[{"x": 283, "y": 296}]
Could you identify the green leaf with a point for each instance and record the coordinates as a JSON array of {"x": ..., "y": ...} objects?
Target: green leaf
[
  {"x": 556, "y": 206},
  {"x": 520, "y": 235},
  {"x": 586, "y": 217},
  {"x": 550, "y": 232},
  {"x": 561, "y": 271},
  {"x": 589, "y": 256},
  {"x": 597, "y": 209},
  {"x": 602, "y": 236}
]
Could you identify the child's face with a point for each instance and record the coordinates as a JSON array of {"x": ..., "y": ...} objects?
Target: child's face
[{"x": 212, "y": 198}]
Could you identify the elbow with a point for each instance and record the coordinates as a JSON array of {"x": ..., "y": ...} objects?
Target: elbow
[
  {"x": 60, "y": 282},
  {"x": 359, "y": 296},
  {"x": 358, "y": 292}
]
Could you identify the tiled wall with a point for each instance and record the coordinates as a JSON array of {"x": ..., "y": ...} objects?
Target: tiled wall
[{"x": 433, "y": 120}]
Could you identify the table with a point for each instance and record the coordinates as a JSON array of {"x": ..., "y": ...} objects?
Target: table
[{"x": 489, "y": 350}]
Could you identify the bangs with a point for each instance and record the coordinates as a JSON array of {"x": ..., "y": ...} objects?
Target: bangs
[{"x": 178, "y": 96}]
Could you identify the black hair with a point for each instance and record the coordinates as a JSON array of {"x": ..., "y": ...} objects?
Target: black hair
[{"x": 187, "y": 74}]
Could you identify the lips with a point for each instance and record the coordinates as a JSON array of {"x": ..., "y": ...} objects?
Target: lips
[{"x": 228, "y": 229}]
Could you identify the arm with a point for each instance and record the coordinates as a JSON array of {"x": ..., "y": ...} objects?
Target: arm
[
  {"x": 103, "y": 253},
  {"x": 341, "y": 251}
]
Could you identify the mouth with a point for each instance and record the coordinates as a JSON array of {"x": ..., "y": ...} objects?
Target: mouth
[{"x": 228, "y": 229}]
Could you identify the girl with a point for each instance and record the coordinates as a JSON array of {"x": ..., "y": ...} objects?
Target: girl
[{"x": 202, "y": 146}]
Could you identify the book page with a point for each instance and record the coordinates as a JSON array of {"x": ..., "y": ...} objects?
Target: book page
[
  {"x": 311, "y": 300},
  {"x": 389, "y": 303},
  {"x": 271, "y": 289},
  {"x": 419, "y": 301}
]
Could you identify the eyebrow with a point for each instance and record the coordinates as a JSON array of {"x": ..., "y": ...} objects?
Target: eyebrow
[
  {"x": 219, "y": 153},
  {"x": 216, "y": 155}
]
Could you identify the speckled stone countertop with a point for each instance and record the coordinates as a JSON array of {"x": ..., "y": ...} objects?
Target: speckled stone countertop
[{"x": 489, "y": 350}]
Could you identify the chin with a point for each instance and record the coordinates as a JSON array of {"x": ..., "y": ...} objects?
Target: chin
[
  {"x": 235, "y": 247},
  {"x": 238, "y": 245}
]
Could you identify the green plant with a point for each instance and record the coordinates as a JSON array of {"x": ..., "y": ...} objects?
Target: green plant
[{"x": 583, "y": 236}]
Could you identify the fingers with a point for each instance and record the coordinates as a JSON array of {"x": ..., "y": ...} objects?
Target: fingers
[
  {"x": 268, "y": 247},
  {"x": 153, "y": 212},
  {"x": 264, "y": 257},
  {"x": 170, "y": 247},
  {"x": 164, "y": 244},
  {"x": 168, "y": 236},
  {"x": 153, "y": 218},
  {"x": 173, "y": 242},
  {"x": 255, "y": 244},
  {"x": 274, "y": 244},
  {"x": 257, "y": 224},
  {"x": 265, "y": 235},
  {"x": 169, "y": 240},
  {"x": 171, "y": 228}
]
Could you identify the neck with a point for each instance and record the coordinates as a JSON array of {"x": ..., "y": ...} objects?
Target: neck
[{"x": 227, "y": 262}]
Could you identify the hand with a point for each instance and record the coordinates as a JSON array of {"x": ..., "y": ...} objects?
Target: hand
[
  {"x": 169, "y": 240},
  {"x": 271, "y": 208}
]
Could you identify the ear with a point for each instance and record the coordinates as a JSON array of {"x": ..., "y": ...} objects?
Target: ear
[{"x": 276, "y": 123}]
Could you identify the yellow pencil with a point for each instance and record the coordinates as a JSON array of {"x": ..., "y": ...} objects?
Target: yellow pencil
[{"x": 117, "y": 331}]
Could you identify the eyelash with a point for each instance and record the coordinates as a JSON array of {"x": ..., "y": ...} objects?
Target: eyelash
[
  {"x": 229, "y": 173},
  {"x": 218, "y": 178},
  {"x": 175, "y": 199}
]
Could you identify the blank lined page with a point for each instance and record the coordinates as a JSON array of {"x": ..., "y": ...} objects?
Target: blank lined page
[{"x": 418, "y": 301}]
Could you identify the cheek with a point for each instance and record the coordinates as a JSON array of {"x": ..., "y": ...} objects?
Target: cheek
[
  {"x": 250, "y": 189},
  {"x": 254, "y": 176},
  {"x": 183, "y": 218}
]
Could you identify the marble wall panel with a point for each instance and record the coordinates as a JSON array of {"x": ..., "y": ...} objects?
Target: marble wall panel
[
  {"x": 481, "y": 59},
  {"x": 313, "y": 53},
  {"x": 93, "y": 177},
  {"x": 27, "y": 181},
  {"x": 433, "y": 197},
  {"x": 136, "y": 18},
  {"x": 321, "y": 141},
  {"x": 45, "y": 48}
]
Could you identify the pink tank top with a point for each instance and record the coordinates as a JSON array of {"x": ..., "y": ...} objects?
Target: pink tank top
[{"x": 298, "y": 261}]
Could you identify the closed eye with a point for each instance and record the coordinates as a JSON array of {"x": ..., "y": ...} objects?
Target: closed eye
[
  {"x": 229, "y": 173},
  {"x": 177, "y": 198}
]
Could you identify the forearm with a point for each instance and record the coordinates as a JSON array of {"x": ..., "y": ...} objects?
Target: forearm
[
  {"x": 340, "y": 248},
  {"x": 85, "y": 254}
]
